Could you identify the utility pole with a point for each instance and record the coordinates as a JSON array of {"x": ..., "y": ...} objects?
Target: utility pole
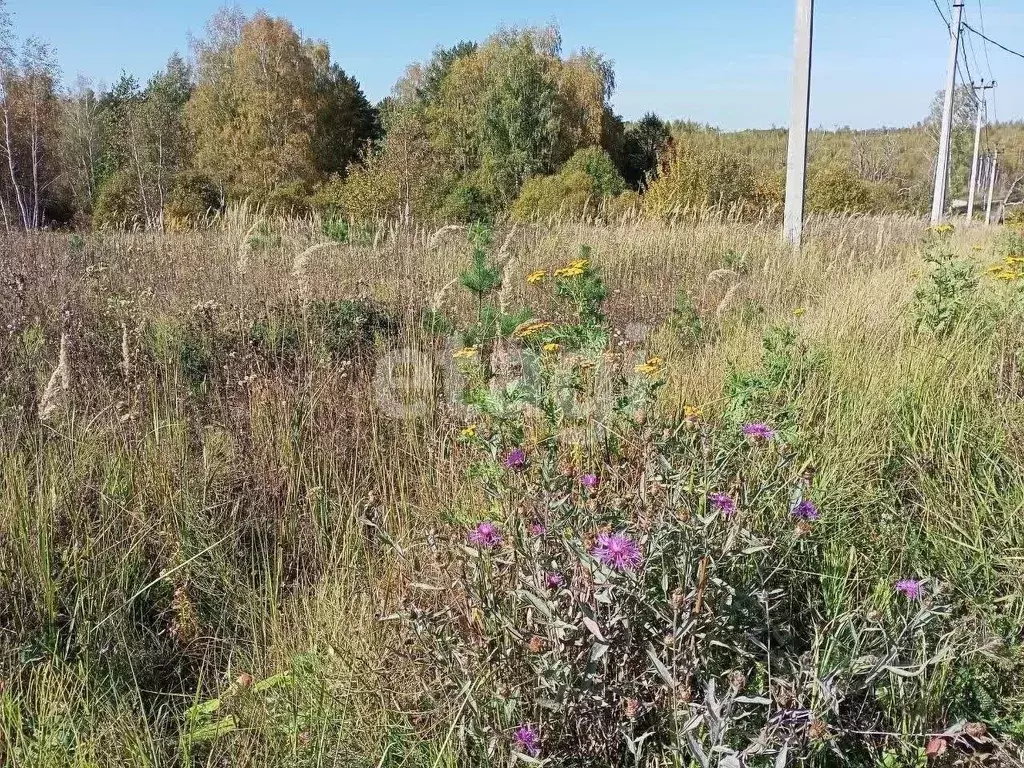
[
  {"x": 796, "y": 163},
  {"x": 942, "y": 161},
  {"x": 977, "y": 144},
  {"x": 991, "y": 186}
]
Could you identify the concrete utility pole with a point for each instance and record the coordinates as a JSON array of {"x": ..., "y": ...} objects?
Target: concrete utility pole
[
  {"x": 991, "y": 186},
  {"x": 796, "y": 164},
  {"x": 942, "y": 161},
  {"x": 977, "y": 144}
]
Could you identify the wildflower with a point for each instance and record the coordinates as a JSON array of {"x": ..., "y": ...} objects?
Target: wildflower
[
  {"x": 579, "y": 263},
  {"x": 554, "y": 580},
  {"x": 515, "y": 459},
  {"x": 692, "y": 413},
  {"x": 530, "y": 329},
  {"x": 944, "y": 229},
  {"x": 651, "y": 367},
  {"x": 724, "y": 503},
  {"x": 537, "y": 276},
  {"x": 552, "y": 347},
  {"x": 486, "y": 535},
  {"x": 527, "y": 740},
  {"x": 536, "y": 644},
  {"x": 1013, "y": 260},
  {"x": 569, "y": 271},
  {"x": 631, "y": 708},
  {"x": 1007, "y": 274},
  {"x": 806, "y": 510},
  {"x": 590, "y": 481},
  {"x": 538, "y": 529},
  {"x": 465, "y": 352},
  {"x": 913, "y": 590},
  {"x": 617, "y": 551},
  {"x": 799, "y": 312},
  {"x": 759, "y": 431},
  {"x": 469, "y": 431}
]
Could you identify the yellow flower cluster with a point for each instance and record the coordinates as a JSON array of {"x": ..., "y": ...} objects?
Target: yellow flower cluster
[
  {"x": 799, "y": 312},
  {"x": 530, "y": 329},
  {"x": 1008, "y": 270},
  {"x": 574, "y": 268},
  {"x": 692, "y": 412},
  {"x": 552, "y": 347},
  {"x": 651, "y": 367},
  {"x": 944, "y": 229},
  {"x": 469, "y": 431},
  {"x": 465, "y": 352},
  {"x": 537, "y": 276}
]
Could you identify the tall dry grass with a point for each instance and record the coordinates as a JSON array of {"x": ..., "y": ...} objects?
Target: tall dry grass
[{"x": 220, "y": 496}]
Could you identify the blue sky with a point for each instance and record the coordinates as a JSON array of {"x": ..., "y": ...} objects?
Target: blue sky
[{"x": 725, "y": 62}]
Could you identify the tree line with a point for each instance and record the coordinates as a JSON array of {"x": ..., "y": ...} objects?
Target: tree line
[{"x": 508, "y": 126}]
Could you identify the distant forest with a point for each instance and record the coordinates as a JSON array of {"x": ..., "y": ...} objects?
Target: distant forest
[{"x": 508, "y": 127}]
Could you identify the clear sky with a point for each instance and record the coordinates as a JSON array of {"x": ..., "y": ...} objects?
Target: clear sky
[{"x": 725, "y": 62}]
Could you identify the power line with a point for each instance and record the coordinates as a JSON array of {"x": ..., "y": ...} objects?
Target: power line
[
  {"x": 981, "y": 20},
  {"x": 997, "y": 45},
  {"x": 937, "y": 8}
]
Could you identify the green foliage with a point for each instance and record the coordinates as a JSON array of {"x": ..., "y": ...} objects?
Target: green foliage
[
  {"x": 335, "y": 229},
  {"x": 586, "y": 182},
  {"x": 563, "y": 195},
  {"x": 193, "y": 199},
  {"x": 701, "y": 173},
  {"x": 483, "y": 277},
  {"x": 643, "y": 142},
  {"x": 685, "y": 321},
  {"x": 581, "y": 285},
  {"x": 838, "y": 189},
  {"x": 520, "y": 121},
  {"x": 598, "y": 165},
  {"x": 467, "y": 203},
  {"x": 947, "y": 295},
  {"x": 119, "y": 205}
]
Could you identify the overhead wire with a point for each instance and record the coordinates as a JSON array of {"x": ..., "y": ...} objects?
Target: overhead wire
[{"x": 994, "y": 42}]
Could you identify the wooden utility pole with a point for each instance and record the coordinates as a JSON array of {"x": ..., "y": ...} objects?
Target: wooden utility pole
[
  {"x": 796, "y": 164},
  {"x": 942, "y": 161},
  {"x": 991, "y": 186},
  {"x": 977, "y": 145}
]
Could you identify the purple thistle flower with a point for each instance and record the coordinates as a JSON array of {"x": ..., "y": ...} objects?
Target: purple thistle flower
[
  {"x": 913, "y": 590},
  {"x": 617, "y": 551},
  {"x": 554, "y": 580},
  {"x": 590, "y": 481},
  {"x": 515, "y": 459},
  {"x": 724, "y": 503},
  {"x": 486, "y": 535},
  {"x": 538, "y": 529},
  {"x": 759, "y": 431},
  {"x": 527, "y": 740},
  {"x": 807, "y": 510}
]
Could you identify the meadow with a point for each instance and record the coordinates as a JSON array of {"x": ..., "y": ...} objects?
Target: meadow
[{"x": 283, "y": 492}]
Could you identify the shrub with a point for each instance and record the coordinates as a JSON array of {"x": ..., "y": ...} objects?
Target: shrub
[
  {"x": 589, "y": 181},
  {"x": 288, "y": 200},
  {"x": 561, "y": 195},
  {"x": 700, "y": 174},
  {"x": 837, "y": 189},
  {"x": 946, "y": 296},
  {"x": 598, "y": 165},
  {"x": 193, "y": 198},
  {"x": 467, "y": 203},
  {"x": 118, "y": 205}
]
